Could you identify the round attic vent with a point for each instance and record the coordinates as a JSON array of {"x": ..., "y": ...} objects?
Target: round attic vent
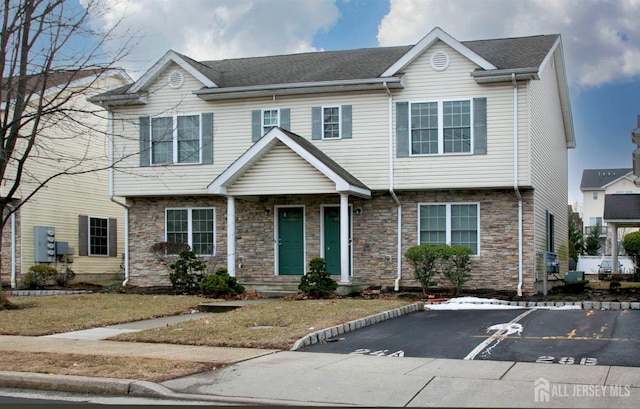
[
  {"x": 176, "y": 79},
  {"x": 439, "y": 61}
]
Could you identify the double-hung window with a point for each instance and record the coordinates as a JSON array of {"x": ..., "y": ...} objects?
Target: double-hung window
[
  {"x": 450, "y": 223},
  {"x": 270, "y": 119},
  {"x": 176, "y": 139},
  {"x": 192, "y": 226},
  {"x": 441, "y": 127},
  {"x": 331, "y": 122},
  {"x": 97, "y": 236}
]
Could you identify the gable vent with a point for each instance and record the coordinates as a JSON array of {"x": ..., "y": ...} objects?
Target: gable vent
[
  {"x": 439, "y": 61},
  {"x": 175, "y": 80}
]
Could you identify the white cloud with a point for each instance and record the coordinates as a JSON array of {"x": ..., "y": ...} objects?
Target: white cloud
[
  {"x": 207, "y": 30},
  {"x": 601, "y": 39}
]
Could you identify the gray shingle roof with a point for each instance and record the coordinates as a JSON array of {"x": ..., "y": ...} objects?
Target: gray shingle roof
[
  {"x": 593, "y": 179},
  {"x": 510, "y": 53},
  {"x": 622, "y": 207}
]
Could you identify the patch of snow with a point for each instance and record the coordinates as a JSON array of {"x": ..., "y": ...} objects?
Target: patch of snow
[{"x": 475, "y": 303}]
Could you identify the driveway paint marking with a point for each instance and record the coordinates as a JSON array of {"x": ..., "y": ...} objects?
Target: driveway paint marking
[
  {"x": 551, "y": 337},
  {"x": 504, "y": 328}
]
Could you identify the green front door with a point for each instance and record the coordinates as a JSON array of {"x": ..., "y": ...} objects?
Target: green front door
[
  {"x": 290, "y": 241},
  {"x": 332, "y": 239}
]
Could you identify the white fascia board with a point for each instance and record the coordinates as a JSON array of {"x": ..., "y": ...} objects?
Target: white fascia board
[
  {"x": 170, "y": 56},
  {"x": 426, "y": 42},
  {"x": 627, "y": 175},
  {"x": 563, "y": 90}
]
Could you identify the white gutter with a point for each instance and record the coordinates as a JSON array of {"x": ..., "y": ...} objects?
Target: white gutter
[
  {"x": 126, "y": 207},
  {"x": 396, "y": 283},
  {"x": 13, "y": 245},
  {"x": 515, "y": 179}
]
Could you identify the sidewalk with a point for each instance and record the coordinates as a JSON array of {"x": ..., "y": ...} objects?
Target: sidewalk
[{"x": 270, "y": 377}]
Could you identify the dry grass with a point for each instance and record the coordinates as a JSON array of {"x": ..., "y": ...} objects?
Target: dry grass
[
  {"x": 290, "y": 320},
  {"x": 275, "y": 324},
  {"x": 56, "y": 314},
  {"x": 142, "y": 369},
  {"x": 604, "y": 285}
]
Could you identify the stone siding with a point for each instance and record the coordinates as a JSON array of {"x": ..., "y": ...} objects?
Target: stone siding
[{"x": 374, "y": 236}]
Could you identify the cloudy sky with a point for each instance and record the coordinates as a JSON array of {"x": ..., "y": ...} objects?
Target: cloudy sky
[{"x": 601, "y": 41}]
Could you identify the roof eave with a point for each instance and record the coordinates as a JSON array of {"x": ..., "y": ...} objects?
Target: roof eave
[
  {"x": 119, "y": 100},
  {"x": 505, "y": 75},
  {"x": 209, "y": 94}
]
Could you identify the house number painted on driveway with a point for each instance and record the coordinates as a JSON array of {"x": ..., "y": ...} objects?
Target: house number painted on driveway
[
  {"x": 566, "y": 360},
  {"x": 380, "y": 352}
]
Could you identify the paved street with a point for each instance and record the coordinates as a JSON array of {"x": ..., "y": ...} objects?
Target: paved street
[{"x": 569, "y": 337}]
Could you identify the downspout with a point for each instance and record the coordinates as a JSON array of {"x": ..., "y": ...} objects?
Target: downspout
[
  {"x": 125, "y": 206},
  {"x": 515, "y": 179},
  {"x": 13, "y": 245},
  {"x": 396, "y": 283}
]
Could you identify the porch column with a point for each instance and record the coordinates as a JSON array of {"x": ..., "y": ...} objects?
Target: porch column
[
  {"x": 614, "y": 248},
  {"x": 344, "y": 239},
  {"x": 231, "y": 235}
]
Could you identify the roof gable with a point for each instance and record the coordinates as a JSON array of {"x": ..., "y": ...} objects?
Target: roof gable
[
  {"x": 343, "y": 180},
  {"x": 186, "y": 63},
  {"x": 426, "y": 42}
]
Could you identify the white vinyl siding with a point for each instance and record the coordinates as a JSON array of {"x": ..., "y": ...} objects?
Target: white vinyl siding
[
  {"x": 549, "y": 163},
  {"x": 493, "y": 169},
  {"x": 282, "y": 171}
]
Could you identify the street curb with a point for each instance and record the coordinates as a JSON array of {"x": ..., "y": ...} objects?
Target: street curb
[
  {"x": 585, "y": 305},
  {"x": 331, "y": 332},
  {"x": 122, "y": 387}
]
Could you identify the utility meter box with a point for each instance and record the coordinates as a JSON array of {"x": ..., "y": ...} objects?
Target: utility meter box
[{"x": 45, "y": 244}]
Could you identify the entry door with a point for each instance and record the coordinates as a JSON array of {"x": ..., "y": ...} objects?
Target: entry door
[
  {"x": 290, "y": 241},
  {"x": 332, "y": 249}
]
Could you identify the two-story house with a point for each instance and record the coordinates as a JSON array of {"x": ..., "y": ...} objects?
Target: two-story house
[
  {"x": 63, "y": 214},
  {"x": 264, "y": 163},
  {"x": 595, "y": 185}
]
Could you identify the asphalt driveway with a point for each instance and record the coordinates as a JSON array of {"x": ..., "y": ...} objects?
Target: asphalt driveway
[{"x": 567, "y": 337}]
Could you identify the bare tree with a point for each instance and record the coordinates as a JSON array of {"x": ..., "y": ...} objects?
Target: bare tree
[{"x": 48, "y": 48}]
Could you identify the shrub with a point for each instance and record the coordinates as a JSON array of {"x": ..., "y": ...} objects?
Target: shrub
[
  {"x": 631, "y": 244},
  {"x": 317, "y": 283},
  {"x": 456, "y": 266},
  {"x": 426, "y": 260},
  {"x": 187, "y": 273},
  {"x": 39, "y": 276},
  {"x": 614, "y": 286},
  {"x": 220, "y": 284}
]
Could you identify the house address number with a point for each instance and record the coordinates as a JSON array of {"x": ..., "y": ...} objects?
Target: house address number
[{"x": 566, "y": 360}]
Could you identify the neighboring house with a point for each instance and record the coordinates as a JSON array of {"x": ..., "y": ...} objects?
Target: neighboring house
[
  {"x": 71, "y": 222},
  {"x": 263, "y": 163},
  {"x": 595, "y": 185}
]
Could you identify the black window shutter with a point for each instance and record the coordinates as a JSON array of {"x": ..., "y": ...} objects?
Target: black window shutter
[
  {"x": 113, "y": 237},
  {"x": 83, "y": 235},
  {"x": 207, "y": 138},
  {"x": 402, "y": 129},
  {"x": 480, "y": 126},
  {"x": 145, "y": 141}
]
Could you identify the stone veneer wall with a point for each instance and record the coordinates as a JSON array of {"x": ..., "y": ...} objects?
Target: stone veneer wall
[
  {"x": 5, "y": 252},
  {"x": 374, "y": 236}
]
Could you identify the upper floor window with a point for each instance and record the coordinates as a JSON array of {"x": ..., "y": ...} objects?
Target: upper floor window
[
  {"x": 450, "y": 223},
  {"x": 263, "y": 120},
  {"x": 176, "y": 139},
  {"x": 595, "y": 195},
  {"x": 441, "y": 127},
  {"x": 331, "y": 122},
  {"x": 192, "y": 226},
  {"x": 270, "y": 119}
]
